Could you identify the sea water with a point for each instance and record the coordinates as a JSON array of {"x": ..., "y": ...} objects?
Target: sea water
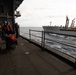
[
  {"x": 24, "y": 31},
  {"x": 54, "y": 40}
]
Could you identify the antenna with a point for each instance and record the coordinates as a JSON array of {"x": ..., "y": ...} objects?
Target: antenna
[
  {"x": 50, "y": 23},
  {"x": 17, "y": 14}
]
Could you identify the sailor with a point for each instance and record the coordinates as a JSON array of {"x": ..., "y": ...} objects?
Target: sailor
[
  {"x": 17, "y": 30},
  {"x": 6, "y": 30}
]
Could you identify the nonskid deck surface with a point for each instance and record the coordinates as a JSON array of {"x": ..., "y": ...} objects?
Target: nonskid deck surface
[{"x": 28, "y": 59}]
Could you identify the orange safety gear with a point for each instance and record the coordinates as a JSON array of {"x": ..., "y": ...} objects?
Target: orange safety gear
[
  {"x": 12, "y": 37},
  {"x": 9, "y": 27}
]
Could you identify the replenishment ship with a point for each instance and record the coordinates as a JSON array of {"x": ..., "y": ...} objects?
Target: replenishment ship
[{"x": 66, "y": 30}]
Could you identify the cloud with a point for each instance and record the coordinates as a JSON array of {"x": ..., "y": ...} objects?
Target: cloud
[{"x": 41, "y": 12}]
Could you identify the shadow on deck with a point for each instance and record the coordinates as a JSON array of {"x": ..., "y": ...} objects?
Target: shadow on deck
[{"x": 28, "y": 59}]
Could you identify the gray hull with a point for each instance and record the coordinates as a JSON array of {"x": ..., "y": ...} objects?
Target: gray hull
[{"x": 58, "y": 30}]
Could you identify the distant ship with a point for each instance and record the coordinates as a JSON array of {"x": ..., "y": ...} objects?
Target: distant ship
[{"x": 70, "y": 31}]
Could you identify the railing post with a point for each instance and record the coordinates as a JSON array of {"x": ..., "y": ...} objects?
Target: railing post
[
  {"x": 75, "y": 64},
  {"x": 43, "y": 40},
  {"x": 29, "y": 34}
]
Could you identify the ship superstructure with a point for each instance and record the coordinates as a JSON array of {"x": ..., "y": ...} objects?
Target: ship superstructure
[{"x": 7, "y": 9}]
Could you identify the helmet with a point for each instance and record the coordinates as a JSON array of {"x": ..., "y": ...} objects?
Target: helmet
[
  {"x": 8, "y": 22},
  {"x": 5, "y": 22}
]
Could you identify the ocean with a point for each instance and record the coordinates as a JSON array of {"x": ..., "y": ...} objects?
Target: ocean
[
  {"x": 55, "y": 41},
  {"x": 24, "y": 31}
]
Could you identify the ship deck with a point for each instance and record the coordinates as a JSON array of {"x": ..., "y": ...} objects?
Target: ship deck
[{"x": 28, "y": 59}]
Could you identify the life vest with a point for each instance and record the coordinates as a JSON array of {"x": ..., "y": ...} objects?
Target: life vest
[
  {"x": 7, "y": 27},
  {"x": 12, "y": 37}
]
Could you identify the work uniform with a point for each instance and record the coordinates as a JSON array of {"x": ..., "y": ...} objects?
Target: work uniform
[{"x": 6, "y": 30}]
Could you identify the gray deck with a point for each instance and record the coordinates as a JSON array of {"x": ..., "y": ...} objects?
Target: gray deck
[{"x": 28, "y": 59}]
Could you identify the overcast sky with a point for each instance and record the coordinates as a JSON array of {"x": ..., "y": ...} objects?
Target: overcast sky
[{"x": 42, "y": 12}]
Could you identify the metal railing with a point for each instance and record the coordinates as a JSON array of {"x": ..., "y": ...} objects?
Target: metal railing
[
  {"x": 43, "y": 39},
  {"x": 37, "y": 36}
]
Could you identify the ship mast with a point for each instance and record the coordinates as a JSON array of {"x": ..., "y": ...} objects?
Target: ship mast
[
  {"x": 67, "y": 22},
  {"x": 73, "y": 23},
  {"x": 50, "y": 23}
]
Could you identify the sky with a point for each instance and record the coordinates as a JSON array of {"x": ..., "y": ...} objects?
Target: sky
[{"x": 38, "y": 13}]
